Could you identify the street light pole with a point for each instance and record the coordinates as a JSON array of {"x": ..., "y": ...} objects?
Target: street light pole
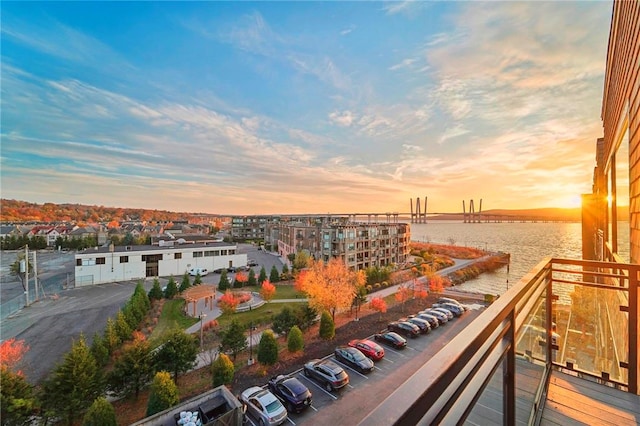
[
  {"x": 202, "y": 316},
  {"x": 250, "y": 360}
]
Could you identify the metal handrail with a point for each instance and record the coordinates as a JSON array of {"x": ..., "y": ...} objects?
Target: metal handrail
[{"x": 446, "y": 388}]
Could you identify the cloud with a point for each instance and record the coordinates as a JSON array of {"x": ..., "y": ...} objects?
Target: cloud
[
  {"x": 406, "y": 63},
  {"x": 452, "y": 132},
  {"x": 344, "y": 118}
]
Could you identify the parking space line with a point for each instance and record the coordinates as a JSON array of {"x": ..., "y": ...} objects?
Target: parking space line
[
  {"x": 291, "y": 421},
  {"x": 250, "y": 421},
  {"x": 388, "y": 360},
  {"x": 313, "y": 408},
  {"x": 352, "y": 369},
  {"x": 393, "y": 352},
  {"x": 377, "y": 368},
  {"x": 319, "y": 387}
]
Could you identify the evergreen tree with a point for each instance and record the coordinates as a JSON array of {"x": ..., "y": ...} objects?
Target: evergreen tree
[
  {"x": 327, "y": 326},
  {"x": 73, "y": 385},
  {"x": 274, "y": 276},
  {"x": 141, "y": 298},
  {"x": 156, "y": 292},
  {"x": 223, "y": 370},
  {"x": 17, "y": 400},
  {"x": 295, "y": 342},
  {"x": 178, "y": 353},
  {"x": 306, "y": 316},
  {"x": 263, "y": 275},
  {"x": 283, "y": 322},
  {"x": 172, "y": 288},
  {"x": 164, "y": 393},
  {"x": 133, "y": 369},
  {"x": 111, "y": 338},
  {"x": 285, "y": 271},
  {"x": 122, "y": 327},
  {"x": 268, "y": 348},
  {"x": 232, "y": 339},
  {"x": 101, "y": 413},
  {"x": 185, "y": 283},
  {"x": 197, "y": 280},
  {"x": 252, "y": 282},
  {"x": 224, "y": 283},
  {"x": 99, "y": 350}
]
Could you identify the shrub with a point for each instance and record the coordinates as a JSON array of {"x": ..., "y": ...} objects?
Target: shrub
[
  {"x": 101, "y": 413},
  {"x": 369, "y": 289},
  {"x": 223, "y": 370},
  {"x": 327, "y": 326},
  {"x": 385, "y": 284},
  {"x": 295, "y": 341},
  {"x": 376, "y": 286},
  {"x": 268, "y": 349},
  {"x": 164, "y": 393}
]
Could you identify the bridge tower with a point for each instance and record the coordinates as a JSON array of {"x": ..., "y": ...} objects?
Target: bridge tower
[
  {"x": 471, "y": 216},
  {"x": 418, "y": 216}
]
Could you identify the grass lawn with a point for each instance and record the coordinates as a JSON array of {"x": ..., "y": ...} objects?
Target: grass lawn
[
  {"x": 282, "y": 292},
  {"x": 259, "y": 316},
  {"x": 172, "y": 316}
]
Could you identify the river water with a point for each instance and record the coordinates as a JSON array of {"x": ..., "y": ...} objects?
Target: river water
[{"x": 528, "y": 244}]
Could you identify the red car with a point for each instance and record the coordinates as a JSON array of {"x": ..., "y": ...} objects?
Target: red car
[{"x": 368, "y": 348}]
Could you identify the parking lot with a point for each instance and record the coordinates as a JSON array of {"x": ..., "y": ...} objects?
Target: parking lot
[{"x": 350, "y": 404}]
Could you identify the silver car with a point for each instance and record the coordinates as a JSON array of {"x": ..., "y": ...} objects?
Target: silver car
[{"x": 264, "y": 406}]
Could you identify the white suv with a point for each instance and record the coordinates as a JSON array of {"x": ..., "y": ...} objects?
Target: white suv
[{"x": 201, "y": 271}]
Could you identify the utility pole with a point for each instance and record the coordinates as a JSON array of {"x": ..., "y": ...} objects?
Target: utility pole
[
  {"x": 26, "y": 274},
  {"x": 35, "y": 274}
]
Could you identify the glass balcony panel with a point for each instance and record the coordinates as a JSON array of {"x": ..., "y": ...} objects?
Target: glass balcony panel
[{"x": 489, "y": 407}]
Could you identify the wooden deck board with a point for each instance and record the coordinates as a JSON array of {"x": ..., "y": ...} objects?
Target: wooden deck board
[{"x": 575, "y": 401}]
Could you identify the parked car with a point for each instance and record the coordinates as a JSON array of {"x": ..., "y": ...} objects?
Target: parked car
[
  {"x": 456, "y": 310},
  {"x": 264, "y": 406},
  {"x": 392, "y": 339},
  {"x": 368, "y": 348},
  {"x": 433, "y": 320},
  {"x": 450, "y": 300},
  {"x": 251, "y": 262},
  {"x": 445, "y": 311},
  {"x": 442, "y": 317},
  {"x": 219, "y": 270},
  {"x": 198, "y": 271},
  {"x": 404, "y": 328},
  {"x": 232, "y": 269},
  {"x": 327, "y": 372},
  {"x": 294, "y": 395},
  {"x": 353, "y": 358},
  {"x": 422, "y": 324}
]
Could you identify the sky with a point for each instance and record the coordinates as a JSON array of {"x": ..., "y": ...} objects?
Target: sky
[{"x": 301, "y": 107}]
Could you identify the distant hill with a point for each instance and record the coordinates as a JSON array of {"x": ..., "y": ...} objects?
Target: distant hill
[
  {"x": 15, "y": 211},
  {"x": 551, "y": 213}
]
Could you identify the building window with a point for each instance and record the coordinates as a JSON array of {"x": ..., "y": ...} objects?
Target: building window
[
  {"x": 216, "y": 252},
  {"x": 124, "y": 259},
  {"x": 100, "y": 261},
  {"x": 223, "y": 252},
  {"x": 78, "y": 262},
  {"x": 208, "y": 253},
  {"x": 177, "y": 255},
  {"x": 197, "y": 254},
  {"x": 232, "y": 252}
]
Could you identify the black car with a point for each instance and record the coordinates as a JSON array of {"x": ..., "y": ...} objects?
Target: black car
[
  {"x": 433, "y": 321},
  {"x": 422, "y": 324},
  {"x": 354, "y": 358},
  {"x": 294, "y": 395},
  {"x": 392, "y": 339},
  {"x": 327, "y": 372},
  {"x": 404, "y": 328}
]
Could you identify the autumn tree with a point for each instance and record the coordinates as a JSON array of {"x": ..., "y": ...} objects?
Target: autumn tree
[
  {"x": 330, "y": 286},
  {"x": 274, "y": 275},
  {"x": 17, "y": 400},
  {"x": 359, "y": 298},
  {"x": 185, "y": 283},
  {"x": 224, "y": 283},
  {"x": 327, "y": 327},
  {"x": 419, "y": 290},
  {"x": 73, "y": 385},
  {"x": 301, "y": 260},
  {"x": 437, "y": 283},
  {"x": 133, "y": 369},
  {"x": 402, "y": 295},
  {"x": 268, "y": 291},
  {"x": 222, "y": 370},
  {"x": 262, "y": 277},
  {"x": 241, "y": 280},
  {"x": 232, "y": 339},
  {"x": 267, "y": 348},
  {"x": 164, "y": 393},
  {"x": 178, "y": 352},
  {"x": 228, "y": 303},
  {"x": 295, "y": 341},
  {"x": 100, "y": 413},
  {"x": 378, "y": 304}
]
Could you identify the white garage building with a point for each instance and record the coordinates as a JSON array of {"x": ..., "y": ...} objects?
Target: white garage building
[{"x": 101, "y": 265}]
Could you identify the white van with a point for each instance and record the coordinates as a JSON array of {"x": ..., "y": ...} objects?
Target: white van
[{"x": 201, "y": 271}]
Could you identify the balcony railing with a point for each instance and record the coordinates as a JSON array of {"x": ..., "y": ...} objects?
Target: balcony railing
[{"x": 574, "y": 315}]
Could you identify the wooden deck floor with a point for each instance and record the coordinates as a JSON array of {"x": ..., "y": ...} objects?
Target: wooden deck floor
[{"x": 574, "y": 401}]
